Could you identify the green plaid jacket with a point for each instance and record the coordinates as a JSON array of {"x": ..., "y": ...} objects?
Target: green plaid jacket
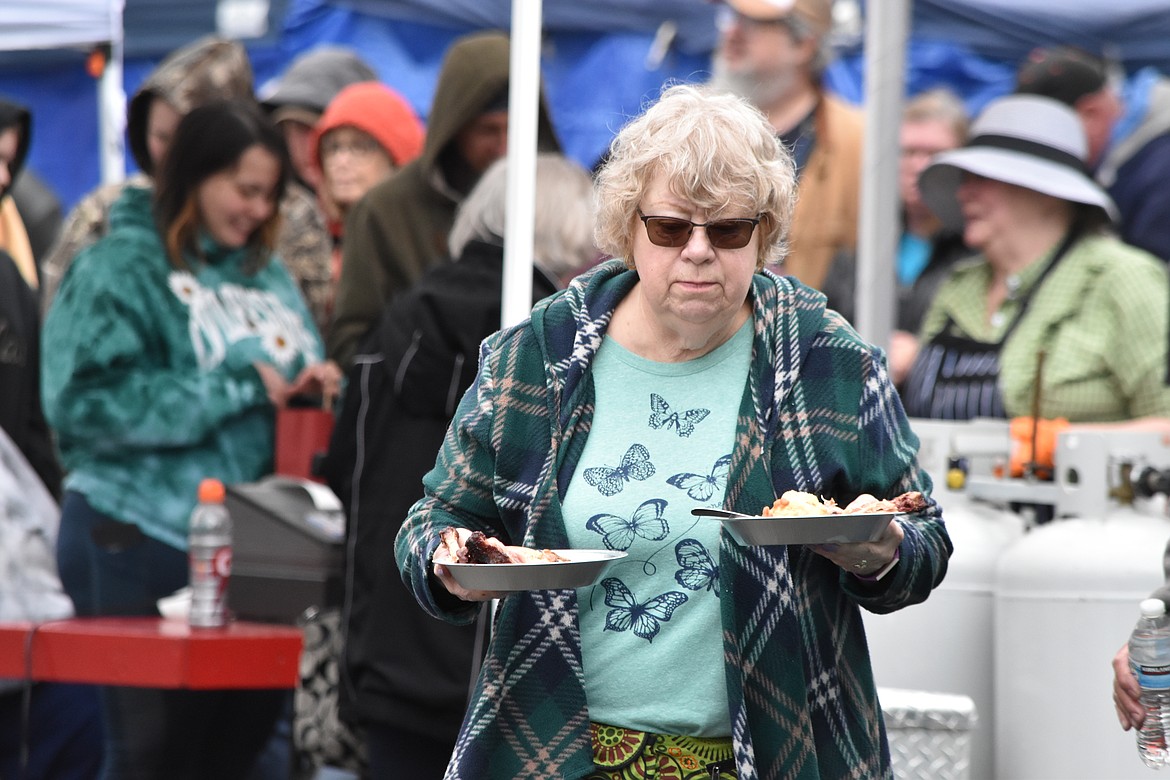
[{"x": 819, "y": 414}]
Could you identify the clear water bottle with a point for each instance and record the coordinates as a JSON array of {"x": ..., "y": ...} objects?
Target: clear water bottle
[
  {"x": 209, "y": 543},
  {"x": 1149, "y": 656}
]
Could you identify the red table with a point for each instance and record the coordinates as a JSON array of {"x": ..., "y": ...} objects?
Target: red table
[{"x": 152, "y": 653}]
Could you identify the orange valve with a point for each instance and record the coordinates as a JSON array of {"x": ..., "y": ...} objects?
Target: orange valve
[{"x": 1026, "y": 430}]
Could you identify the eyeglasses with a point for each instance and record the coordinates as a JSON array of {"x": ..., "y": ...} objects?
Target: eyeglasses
[
  {"x": 356, "y": 146},
  {"x": 727, "y": 17},
  {"x": 722, "y": 233}
]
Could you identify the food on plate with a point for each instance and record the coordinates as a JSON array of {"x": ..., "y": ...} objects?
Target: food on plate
[
  {"x": 481, "y": 548},
  {"x": 797, "y": 503}
]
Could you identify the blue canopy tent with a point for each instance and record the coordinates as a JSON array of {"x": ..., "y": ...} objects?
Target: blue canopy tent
[
  {"x": 601, "y": 60},
  {"x": 52, "y": 39}
]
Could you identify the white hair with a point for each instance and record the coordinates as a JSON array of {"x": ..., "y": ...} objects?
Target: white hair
[{"x": 563, "y": 234}]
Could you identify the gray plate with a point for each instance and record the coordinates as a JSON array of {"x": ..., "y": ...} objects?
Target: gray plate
[
  {"x": 816, "y": 529},
  {"x": 583, "y": 568}
]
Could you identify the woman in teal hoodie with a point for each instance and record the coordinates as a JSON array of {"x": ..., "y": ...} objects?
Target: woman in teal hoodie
[{"x": 170, "y": 344}]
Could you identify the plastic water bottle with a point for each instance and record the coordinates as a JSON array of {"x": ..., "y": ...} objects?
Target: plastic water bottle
[
  {"x": 209, "y": 543},
  {"x": 1149, "y": 656}
]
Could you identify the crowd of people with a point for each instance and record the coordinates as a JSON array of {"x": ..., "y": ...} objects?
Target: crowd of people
[{"x": 692, "y": 299}]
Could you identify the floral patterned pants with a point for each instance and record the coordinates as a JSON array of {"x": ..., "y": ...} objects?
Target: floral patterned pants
[{"x": 625, "y": 754}]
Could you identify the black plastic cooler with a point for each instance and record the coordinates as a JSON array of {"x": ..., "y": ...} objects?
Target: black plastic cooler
[{"x": 288, "y": 549}]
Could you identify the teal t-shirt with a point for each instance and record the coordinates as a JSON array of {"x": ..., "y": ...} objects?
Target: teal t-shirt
[
  {"x": 913, "y": 256},
  {"x": 660, "y": 445}
]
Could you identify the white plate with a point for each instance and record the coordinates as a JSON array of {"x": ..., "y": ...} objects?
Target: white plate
[
  {"x": 812, "y": 529},
  {"x": 583, "y": 568}
]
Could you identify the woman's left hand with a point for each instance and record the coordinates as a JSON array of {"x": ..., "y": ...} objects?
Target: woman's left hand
[
  {"x": 323, "y": 379},
  {"x": 865, "y": 558}
]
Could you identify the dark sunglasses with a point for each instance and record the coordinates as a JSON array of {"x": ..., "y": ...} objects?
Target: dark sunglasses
[{"x": 722, "y": 233}]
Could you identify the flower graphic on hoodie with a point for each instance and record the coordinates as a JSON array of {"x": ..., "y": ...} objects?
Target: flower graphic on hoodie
[
  {"x": 184, "y": 285},
  {"x": 278, "y": 345}
]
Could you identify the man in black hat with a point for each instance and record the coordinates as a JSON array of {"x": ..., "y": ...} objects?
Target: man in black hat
[{"x": 1129, "y": 138}]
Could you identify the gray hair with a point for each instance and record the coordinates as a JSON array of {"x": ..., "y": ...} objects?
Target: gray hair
[
  {"x": 563, "y": 220},
  {"x": 802, "y": 30},
  {"x": 938, "y": 105},
  {"x": 716, "y": 150}
]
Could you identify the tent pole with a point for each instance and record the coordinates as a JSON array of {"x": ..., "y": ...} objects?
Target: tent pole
[
  {"x": 885, "y": 66},
  {"x": 523, "y": 113},
  {"x": 112, "y": 104}
]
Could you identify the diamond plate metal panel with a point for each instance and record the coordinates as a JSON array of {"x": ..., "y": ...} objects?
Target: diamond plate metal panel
[{"x": 929, "y": 734}]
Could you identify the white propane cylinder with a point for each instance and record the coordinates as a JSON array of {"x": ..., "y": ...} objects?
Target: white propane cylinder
[
  {"x": 1066, "y": 600},
  {"x": 945, "y": 644}
]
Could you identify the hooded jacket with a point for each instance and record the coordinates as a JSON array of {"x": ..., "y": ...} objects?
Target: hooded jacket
[
  {"x": 400, "y": 227},
  {"x": 14, "y": 115},
  {"x": 148, "y": 374},
  {"x": 206, "y": 70},
  {"x": 818, "y": 414},
  {"x": 13, "y": 236},
  {"x": 311, "y": 81}
]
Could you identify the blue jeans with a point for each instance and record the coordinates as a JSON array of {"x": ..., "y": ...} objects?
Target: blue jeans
[
  {"x": 111, "y": 568},
  {"x": 63, "y": 733}
]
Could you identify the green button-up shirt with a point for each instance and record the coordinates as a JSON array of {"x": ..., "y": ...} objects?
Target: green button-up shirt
[{"x": 1101, "y": 317}]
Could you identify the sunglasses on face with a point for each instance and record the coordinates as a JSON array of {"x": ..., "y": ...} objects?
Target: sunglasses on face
[{"x": 721, "y": 233}]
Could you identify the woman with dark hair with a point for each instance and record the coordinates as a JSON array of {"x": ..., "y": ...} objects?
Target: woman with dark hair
[
  {"x": 187, "y": 202},
  {"x": 171, "y": 341}
]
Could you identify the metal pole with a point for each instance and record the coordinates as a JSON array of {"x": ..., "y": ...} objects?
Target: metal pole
[
  {"x": 112, "y": 105},
  {"x": 523, "y": 113},
  {"x": 885, "y": 65}
]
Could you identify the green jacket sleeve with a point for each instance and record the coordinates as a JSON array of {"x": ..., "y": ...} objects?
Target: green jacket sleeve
[
  {"x": 458, "y": 493},
  {"x": 888, "y": 456},
  {"x": 1135, "y": 302}
]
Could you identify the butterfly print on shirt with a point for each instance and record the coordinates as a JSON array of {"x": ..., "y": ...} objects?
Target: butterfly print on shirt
[
  {"x": 645, "y": 619},
  {"x": 697, "y": 570},
  {"x": 703, "y": 487},
  {"x": 661, "y": 416},
  {"x": 635, "y": 465},
  {"x": 618, "y": 532}
]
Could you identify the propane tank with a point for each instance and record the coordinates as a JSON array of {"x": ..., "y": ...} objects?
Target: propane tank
[
  {"x": 944, "y": 645},
  {"x": 1065, "y": 599}
]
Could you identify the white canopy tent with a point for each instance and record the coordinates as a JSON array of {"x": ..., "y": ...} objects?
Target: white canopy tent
[{"x": 61, "y": 24}]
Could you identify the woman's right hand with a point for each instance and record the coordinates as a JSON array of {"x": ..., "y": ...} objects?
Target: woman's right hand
[
  {"x": 444, "y": 554},
  {"x": 1126, "y": 692}
]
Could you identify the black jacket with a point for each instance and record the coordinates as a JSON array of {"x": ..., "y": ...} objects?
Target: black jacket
[
  {"x": 21, "y": 415},
  {"x": 404, "y": 669}
]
